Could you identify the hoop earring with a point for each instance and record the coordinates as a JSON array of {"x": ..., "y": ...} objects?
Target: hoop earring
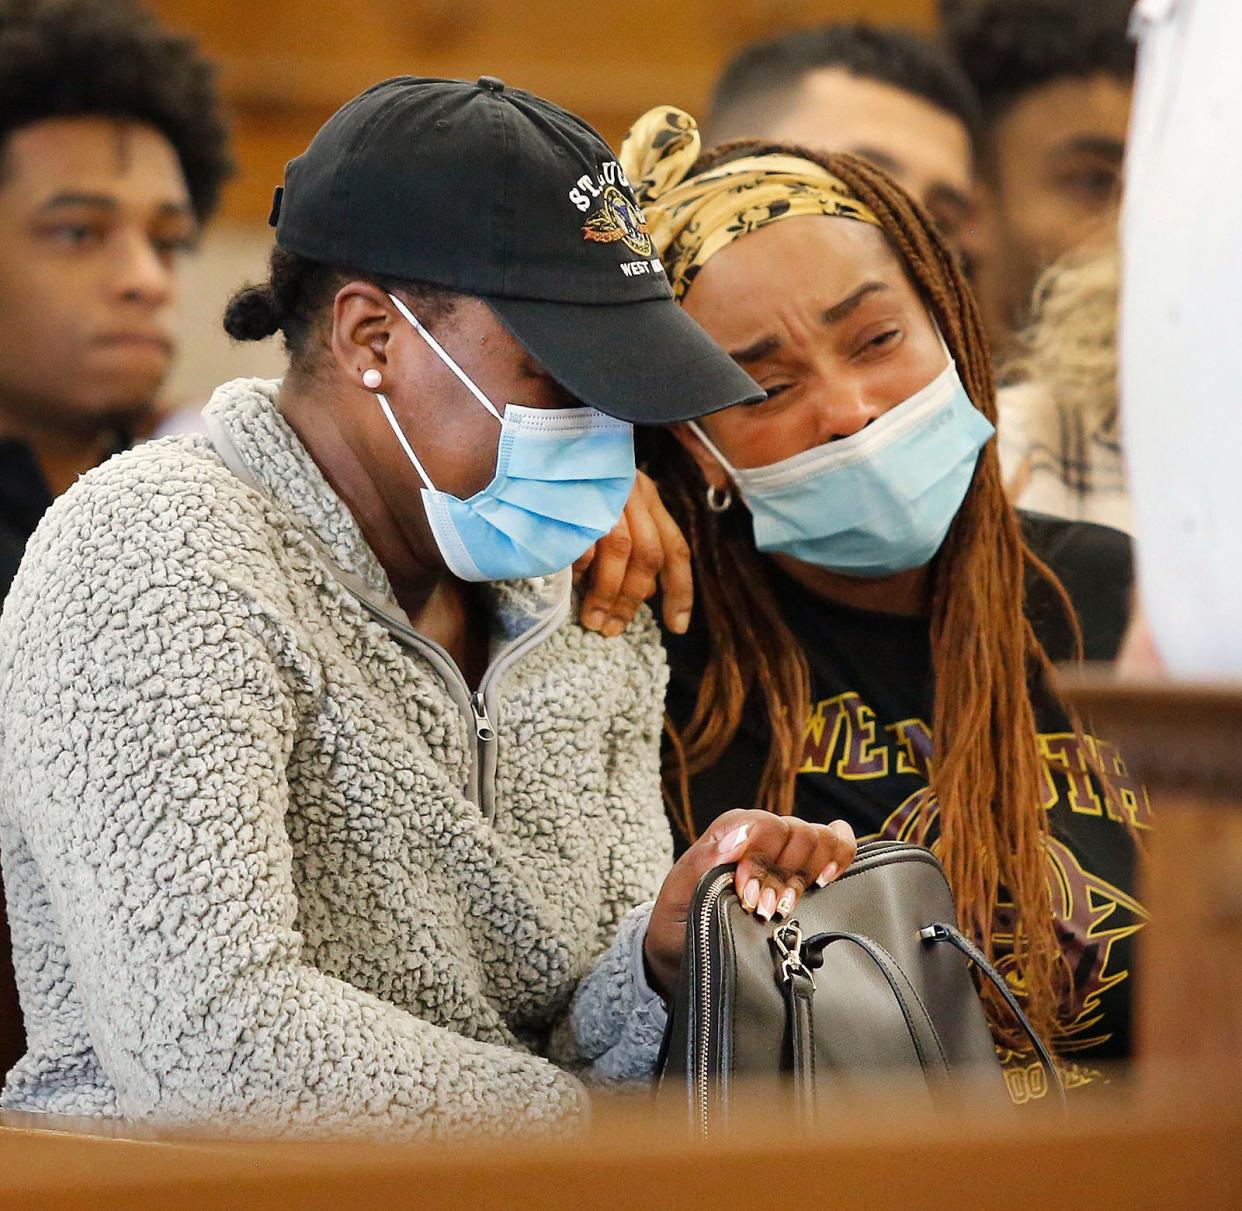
[{"x": 717, "y": 501}]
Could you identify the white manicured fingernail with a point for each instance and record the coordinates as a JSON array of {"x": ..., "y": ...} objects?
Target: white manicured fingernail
[
  {"x": 735, "y": 840},
  {"x": 750, "y": 895},
  {"x": 784, "y": 906},
  {"x": 828, "y": 874},
  {"x": 767, "y": 905}
]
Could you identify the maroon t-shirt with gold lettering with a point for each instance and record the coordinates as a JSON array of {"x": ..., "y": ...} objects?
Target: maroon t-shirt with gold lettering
[{"x": 868, "y": 742}]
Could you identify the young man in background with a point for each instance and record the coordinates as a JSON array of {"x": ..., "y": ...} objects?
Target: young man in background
[
  {"x": 887, "y": 95},
  {"x": 112, "y": 155},
  {"x": 1054, "y": 78}
]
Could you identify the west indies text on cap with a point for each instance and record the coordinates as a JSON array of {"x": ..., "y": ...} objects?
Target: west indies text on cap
[{"x": 494, "y": 192}]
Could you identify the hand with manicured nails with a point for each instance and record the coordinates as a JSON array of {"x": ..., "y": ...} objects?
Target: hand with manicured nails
[
  {"x": 778, "y": 858},
  {"x": 619, "y": 572}
]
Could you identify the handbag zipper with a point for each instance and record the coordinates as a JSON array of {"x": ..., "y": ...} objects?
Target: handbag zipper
[{"x": 704, "y": 956}]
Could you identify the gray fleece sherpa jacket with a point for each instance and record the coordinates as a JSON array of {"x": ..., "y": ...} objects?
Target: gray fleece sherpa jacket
[{"x": 263, "y": 860}]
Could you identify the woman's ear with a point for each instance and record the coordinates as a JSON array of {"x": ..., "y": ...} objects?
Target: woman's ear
[
  {"x": 362, "y": 319},
  {"x": 715, "y": 475}
]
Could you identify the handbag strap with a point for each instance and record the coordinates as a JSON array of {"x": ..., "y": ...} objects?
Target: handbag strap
[
  {"x": 799, "y": 992},
  {"x": 939, "y": 931},
  {"x": 907, "y": 1000}
]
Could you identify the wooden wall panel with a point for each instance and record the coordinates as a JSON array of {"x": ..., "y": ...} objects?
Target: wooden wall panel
[{"x": 287, "y": 64}]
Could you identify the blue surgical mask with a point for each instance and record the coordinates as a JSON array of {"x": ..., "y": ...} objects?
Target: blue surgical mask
[
  {"x": 562, "y": 479},
  {"x": 880, "y": 501}
]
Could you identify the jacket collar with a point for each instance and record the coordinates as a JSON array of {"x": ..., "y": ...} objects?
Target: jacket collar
[{"x": 246, "y": 414}]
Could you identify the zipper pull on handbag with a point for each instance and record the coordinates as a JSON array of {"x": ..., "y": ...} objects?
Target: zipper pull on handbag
[
  {"x": 798, "y": 988},
  {"x": 788, "y": 941}
]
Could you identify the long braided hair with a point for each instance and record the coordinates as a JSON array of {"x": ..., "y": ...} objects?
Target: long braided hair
[{"x": 987, "y": 776}]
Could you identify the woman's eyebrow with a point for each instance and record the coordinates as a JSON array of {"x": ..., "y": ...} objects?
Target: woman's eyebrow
[
  {"x": 848, "y": 305},
  {"x": 765, "y": 346}
]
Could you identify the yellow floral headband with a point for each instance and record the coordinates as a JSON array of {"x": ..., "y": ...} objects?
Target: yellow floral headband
[{"x": 690, "y": 220}]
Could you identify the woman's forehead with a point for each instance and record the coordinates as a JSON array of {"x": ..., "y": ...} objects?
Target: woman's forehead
[{"x": 817, "y": 258}]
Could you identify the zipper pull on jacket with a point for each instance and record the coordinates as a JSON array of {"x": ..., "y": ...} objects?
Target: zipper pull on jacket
[{"x": 482, "y": 723}]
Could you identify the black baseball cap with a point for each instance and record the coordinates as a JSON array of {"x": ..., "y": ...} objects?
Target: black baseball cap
[{"x": 491, "y": 191}]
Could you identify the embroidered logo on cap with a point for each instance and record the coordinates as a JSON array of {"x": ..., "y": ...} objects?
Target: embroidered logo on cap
[{"x": 618, "y": 219}]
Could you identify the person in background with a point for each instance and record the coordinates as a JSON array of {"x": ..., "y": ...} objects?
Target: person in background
[
  {"x": 1054, "y": 78},
  {"x": 1059, "y": 433},
  {"x": 318, "y": 810},
  {"x": 875, "y": 625},
  {"x": 112, "y": 156},
  {"x": 113, "y": 152},
  {"x": 887, "y": 95}
]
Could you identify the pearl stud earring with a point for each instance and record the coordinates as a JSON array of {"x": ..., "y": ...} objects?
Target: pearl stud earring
[{"x": 371, "y": 379}]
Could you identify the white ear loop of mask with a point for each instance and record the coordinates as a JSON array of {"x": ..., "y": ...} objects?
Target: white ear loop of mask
[
  {"x": 405, "y": 445},
  {"x": 447, "y": 359},
  {"x": 712, "y": 447},
  {"x": 714, "y": 450}
]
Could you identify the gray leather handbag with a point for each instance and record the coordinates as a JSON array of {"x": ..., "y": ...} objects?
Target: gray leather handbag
[{"x": 870, "y": 977}]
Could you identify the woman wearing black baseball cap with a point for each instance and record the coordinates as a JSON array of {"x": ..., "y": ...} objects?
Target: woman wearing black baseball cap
[{"x": 318, "y": 810}]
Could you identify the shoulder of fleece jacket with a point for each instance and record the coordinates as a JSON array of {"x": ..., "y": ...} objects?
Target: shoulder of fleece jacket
[
  {"x": 165, "y": 529},
  {"x": 639, "y": 650},
  {"x": 146, "y": 513}
]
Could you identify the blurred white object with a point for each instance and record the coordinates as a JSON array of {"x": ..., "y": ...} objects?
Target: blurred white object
[{"x": 1181, "y": 315}]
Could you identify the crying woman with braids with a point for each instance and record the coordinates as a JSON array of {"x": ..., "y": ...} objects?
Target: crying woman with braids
[{"x": 875, "y": 626}]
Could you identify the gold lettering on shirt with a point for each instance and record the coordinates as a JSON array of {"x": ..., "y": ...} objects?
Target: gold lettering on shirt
[
  {"x": 914, "y": 747},
  {"x": 843, "y": 727},
  {"x": 841, "y": 736}
]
